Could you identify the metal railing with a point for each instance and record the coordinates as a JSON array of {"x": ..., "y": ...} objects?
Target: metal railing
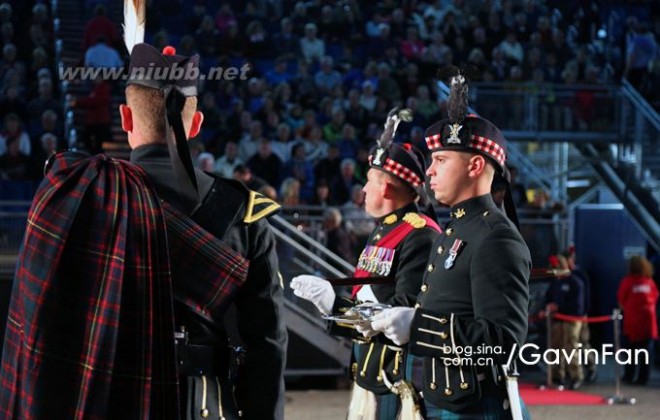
[
  {"x": 639, "y": 145},
  {"x": 545, "y": 231},
  {"x": 550, "y": 112}
]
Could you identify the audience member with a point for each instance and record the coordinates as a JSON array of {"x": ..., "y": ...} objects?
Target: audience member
[
  {"x": 566, "y": 296},
  {"x": 225, "y": 164},
  {"x": 98, "y": 117},
  {"x": 267, "y": 165},
  {"x": 100, "y": 26},
  {"x": 638, "y": 296},
  {"x": 102, "y": 55}
]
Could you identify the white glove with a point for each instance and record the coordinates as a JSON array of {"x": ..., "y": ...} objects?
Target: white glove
[
  {"x": 394, "y": 323},
  {"x": 366, "y": 330},
  {"x": 316, "y": 290}
]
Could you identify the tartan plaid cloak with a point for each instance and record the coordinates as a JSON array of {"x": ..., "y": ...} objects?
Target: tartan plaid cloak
[{"x": 90, "y": 325}]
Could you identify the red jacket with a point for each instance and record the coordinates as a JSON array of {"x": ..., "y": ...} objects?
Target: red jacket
[
  {"x": 97, "y": 104},
  {"x": 638, "y": 296}
]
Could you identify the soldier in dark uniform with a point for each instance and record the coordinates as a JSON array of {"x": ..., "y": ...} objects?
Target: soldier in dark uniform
[
  {"x": 229, "y": 211},
  {"x": 397, "y": 250},
  {"x": 474, "y": 294}
]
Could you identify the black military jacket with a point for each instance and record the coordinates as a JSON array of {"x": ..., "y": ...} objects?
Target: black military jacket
[
  {"x": 407, "y": 267},
  {"x": 472, "y": 305},
  {"x": 237, "y": 216}
]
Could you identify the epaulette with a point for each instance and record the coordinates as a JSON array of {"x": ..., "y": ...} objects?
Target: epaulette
[
  {"x": 415, "y": 220},
  {"x": 258, "y": 207}
]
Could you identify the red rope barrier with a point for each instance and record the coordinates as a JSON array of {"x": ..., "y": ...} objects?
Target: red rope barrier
[{"x": 571, "y": 318}]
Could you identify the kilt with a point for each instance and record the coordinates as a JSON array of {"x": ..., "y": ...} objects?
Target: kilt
[{"x": 491, "y": 406}]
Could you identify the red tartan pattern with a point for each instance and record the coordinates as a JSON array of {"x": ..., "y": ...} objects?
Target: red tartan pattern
[
  {"x": 90, "y": 325},
  {"x": 208, "y": 273},
  {"x": 397, "y": 169}
]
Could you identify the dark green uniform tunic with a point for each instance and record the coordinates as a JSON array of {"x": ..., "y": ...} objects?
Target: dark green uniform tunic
[{"x": 472, "y": 308}]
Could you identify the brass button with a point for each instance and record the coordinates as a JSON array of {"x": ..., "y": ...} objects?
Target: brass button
[
  {"x": 424, "y": 287},
  {"x": 417, "y": 305},
  {"x": 449, "y": 231},
  {"x": 379, "y": 378},
  {"x": 430, "y": 268},
  {"x": 395, "y": 371},
  {"x": 441, "y": 249},
  {"x": 486, "y": 213},
  {"x": 363, "y": 374},
  {"x": 377, "y": 237},
  {"x": 448, "y": 391},
  {"x": 204, "y": 413},
  {"x": 443, "y": 320},
  {"x": 433, "y": 386},
  {"x": 443, "y": 335},
  {"x": 464, "y": 385}
]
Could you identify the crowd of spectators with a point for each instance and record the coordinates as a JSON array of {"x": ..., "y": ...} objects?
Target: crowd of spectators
[
  {"x": 31, "y": 117},
  {"x": 324, "y": 74}
]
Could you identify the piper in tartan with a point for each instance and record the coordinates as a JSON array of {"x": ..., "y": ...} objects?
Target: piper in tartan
[
  {"x": 396, "y": 250},
  {"x": 474, "y": 293},
  {"x": 90, "y": 324}
]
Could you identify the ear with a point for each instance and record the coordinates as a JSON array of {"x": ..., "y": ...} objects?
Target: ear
[
  {"x": 476, "y": 165},
  {"x": 126, "y": 118},
  {"x": 196, "y": 124},
  {"x": 388, "y": 190}
]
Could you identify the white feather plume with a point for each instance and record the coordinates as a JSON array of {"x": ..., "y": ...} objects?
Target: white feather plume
[{"x": 134, "y": 22}]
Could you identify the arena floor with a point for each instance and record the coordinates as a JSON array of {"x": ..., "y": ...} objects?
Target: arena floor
[{"x": 331, "y": 404}]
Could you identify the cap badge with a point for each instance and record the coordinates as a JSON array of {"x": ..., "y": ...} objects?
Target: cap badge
[
  {"x": 458, "y": 213},
  {"x": 453, "y": 134},
  {"x": 379, "y": 155}
]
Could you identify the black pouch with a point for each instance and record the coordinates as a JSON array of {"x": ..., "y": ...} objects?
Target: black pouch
[
  {"x": 375, "y": 359},
  {"x": 461, "y": 392}
]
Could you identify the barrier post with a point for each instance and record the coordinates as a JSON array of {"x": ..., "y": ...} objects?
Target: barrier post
[
  {"x": 548, "y": 327},
  {"x": 548, "y": 343},
  {"x": 618, "y": 397}
]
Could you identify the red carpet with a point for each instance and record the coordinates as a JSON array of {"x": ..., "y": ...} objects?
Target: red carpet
[{"x": 531, "y": 395}]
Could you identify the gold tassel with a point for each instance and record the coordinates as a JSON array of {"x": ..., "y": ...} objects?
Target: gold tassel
[
  {"x": 363, "y": 404},
  {"x": 410, "y": 409}
]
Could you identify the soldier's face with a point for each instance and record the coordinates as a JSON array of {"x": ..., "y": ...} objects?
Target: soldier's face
[
  {"x": 448, "y": 174},
  {"x": 374, "y": 190}
]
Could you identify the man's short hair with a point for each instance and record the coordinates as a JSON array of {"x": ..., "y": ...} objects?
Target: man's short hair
[{"x": 148, "y": 108}]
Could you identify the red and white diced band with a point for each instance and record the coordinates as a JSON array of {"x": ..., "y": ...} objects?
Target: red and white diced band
[
  {"x": 397, "y": 169},
  {"x": 483, "y": 144}
]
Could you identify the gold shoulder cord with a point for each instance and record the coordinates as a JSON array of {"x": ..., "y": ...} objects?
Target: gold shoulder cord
[{"x": 415, "y": 220}]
